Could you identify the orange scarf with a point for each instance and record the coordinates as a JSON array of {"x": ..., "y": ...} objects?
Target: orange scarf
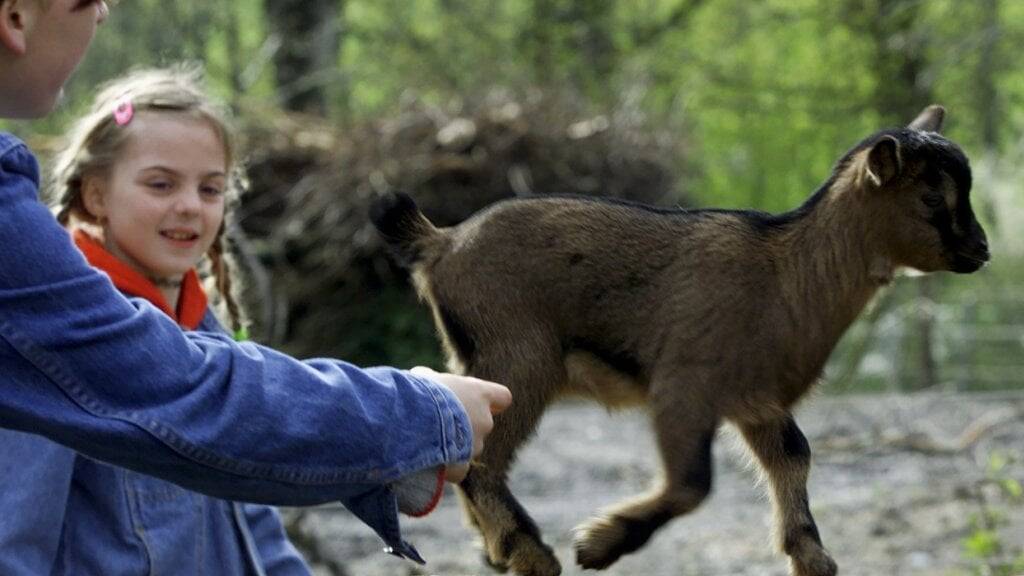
[{"x": 191, "y": 300}]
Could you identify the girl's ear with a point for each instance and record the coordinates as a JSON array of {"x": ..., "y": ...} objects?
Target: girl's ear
[
  {"x": 15, "y": 19},
  {"x": 93, "y": 198}
]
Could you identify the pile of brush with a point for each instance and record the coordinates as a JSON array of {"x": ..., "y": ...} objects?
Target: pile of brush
[{"x": 327, "y": 287}]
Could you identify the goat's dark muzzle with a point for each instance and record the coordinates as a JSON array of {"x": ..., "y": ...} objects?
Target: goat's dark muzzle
[{"x": 971, "y": 255}]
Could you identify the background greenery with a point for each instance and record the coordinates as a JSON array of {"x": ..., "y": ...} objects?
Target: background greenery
[{"x": 763, "y": 94}]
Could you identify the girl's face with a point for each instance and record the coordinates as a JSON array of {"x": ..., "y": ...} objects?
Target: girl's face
[{"x": 162, "y": 202}]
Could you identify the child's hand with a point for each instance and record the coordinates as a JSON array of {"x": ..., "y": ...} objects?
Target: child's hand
[{"x": 480, "y": 399}]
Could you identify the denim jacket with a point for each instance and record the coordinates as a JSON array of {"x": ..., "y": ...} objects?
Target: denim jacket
[
  {"x": 65, "y": 514},
  {"x": 117, "y": 380}
]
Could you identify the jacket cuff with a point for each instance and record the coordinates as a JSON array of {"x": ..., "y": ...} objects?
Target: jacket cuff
[
  {"x": 457, "y": 435},
  {"x": 418, "y": 494}
]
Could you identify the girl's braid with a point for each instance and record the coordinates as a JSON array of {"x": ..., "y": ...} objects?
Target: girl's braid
[{"x": 220, "y": 265}]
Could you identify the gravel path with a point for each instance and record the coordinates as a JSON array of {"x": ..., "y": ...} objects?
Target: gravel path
[{"x": 898, "y": 483}]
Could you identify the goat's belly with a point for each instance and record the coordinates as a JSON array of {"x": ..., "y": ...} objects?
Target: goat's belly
[{"x": 591, "y": 377}]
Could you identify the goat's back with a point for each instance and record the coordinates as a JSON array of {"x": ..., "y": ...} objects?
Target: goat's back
[
  {"x": 618, "y": 278},
  {"x": 588, "y": 251}
]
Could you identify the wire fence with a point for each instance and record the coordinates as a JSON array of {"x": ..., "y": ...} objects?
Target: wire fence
[{"x": 927, "y": 335}]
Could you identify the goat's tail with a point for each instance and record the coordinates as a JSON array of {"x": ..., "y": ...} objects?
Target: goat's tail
[{"x": 408, "y": 233}]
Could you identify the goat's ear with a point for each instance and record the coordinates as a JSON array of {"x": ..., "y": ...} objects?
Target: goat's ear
[
  {"x": 884, "y": 161},
  {"x": 930, "y": 119}
]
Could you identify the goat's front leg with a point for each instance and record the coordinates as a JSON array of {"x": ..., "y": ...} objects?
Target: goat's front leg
[
  {"x": 785, "y": 456},
  {"x": 684, "y": 440}
]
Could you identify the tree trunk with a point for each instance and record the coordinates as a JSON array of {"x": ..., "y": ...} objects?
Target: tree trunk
[{"x": 310, "y": 41}]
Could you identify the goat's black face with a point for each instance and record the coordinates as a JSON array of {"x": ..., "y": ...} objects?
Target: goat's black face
[
  {"x": 932, "y": 225},
  {"x": 966, "y": 252},
  {"x": 945, "y": 195},
  {"x": 929, "y": 179}
]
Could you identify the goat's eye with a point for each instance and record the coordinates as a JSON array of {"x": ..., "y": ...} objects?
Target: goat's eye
[{"x": 933, "y": 200}]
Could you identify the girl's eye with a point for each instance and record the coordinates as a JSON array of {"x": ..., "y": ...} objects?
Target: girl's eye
[
  {"x": 211, "y": 190},
  {"x": 160, "y": 185},
  {"x": 933, "y": 200}
]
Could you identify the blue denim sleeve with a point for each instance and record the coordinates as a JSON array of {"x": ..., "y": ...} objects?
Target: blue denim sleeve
[
  {"x": 35, "y": 479},
  {"x": 118, "y": 381},
  {"x": 376, "y": 505}
]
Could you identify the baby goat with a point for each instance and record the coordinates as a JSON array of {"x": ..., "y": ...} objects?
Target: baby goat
[{"x": 701, "y": 315}]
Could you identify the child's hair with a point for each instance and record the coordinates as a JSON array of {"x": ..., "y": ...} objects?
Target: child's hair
[{"x": 96, "y": 140}]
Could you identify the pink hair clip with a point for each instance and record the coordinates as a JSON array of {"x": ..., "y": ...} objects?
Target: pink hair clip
[{"x": 123, "y": 112}]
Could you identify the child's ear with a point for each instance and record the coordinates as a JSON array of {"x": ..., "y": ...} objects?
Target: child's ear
[
  {"x": 93, "y": 198},
  {"x": 15, "y": 19}
]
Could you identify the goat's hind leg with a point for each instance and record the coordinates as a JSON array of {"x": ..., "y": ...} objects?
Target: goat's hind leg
[
  {"x": 511, "y": 538},
  {"x": 684, "y": 440},
  {"x": 785, "y": 456}
]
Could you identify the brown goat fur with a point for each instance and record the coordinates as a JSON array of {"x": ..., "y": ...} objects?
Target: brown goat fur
[{"x": 702, "y": 316}]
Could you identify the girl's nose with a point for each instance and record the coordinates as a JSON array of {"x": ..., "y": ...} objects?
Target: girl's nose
[{"x": 188, "y": 203}]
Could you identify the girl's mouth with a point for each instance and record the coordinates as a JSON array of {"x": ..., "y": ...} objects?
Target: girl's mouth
[{"x": 180, "y": 235}]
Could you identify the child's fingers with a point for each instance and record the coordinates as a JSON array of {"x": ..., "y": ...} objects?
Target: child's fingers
[
  {"x": 501, "y": 398},
  {"x": 498, "y": 396},
  {"x": 422, "y": 371}
]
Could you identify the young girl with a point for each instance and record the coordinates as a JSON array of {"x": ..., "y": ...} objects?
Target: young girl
[
  {"x": 142, "y": 187},
  {"x": 120, "y": 382}
]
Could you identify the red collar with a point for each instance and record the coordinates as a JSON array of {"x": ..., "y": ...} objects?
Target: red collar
[{"x": 191, "y": 300}]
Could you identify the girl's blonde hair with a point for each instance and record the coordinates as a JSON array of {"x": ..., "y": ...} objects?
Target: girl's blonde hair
[{"x": 96, "y": 140}]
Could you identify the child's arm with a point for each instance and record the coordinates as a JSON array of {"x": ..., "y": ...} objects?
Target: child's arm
[{"x": 83, "y": 366}]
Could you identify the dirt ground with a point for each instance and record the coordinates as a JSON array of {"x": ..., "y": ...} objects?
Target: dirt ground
[{"x": 898, "y": 486}]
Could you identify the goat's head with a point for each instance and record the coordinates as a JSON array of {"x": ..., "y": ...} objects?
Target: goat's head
[{"x": 919, "y": 184}]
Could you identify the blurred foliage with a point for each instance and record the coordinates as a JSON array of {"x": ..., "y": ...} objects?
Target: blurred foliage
[
  {"x": 773, "y": 91},
  {"x": 986, "y": 546},
  {"x": 761, "y": 98}
]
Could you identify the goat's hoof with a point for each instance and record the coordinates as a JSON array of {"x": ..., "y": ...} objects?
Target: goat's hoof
[
  {"x": 817, "y": 564},
  {"x": 601, "y": 541},
  {"x": 530, "y": 557},
  {"x": 496, "y": 565},
  {"x": 523, "y": 555}
]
